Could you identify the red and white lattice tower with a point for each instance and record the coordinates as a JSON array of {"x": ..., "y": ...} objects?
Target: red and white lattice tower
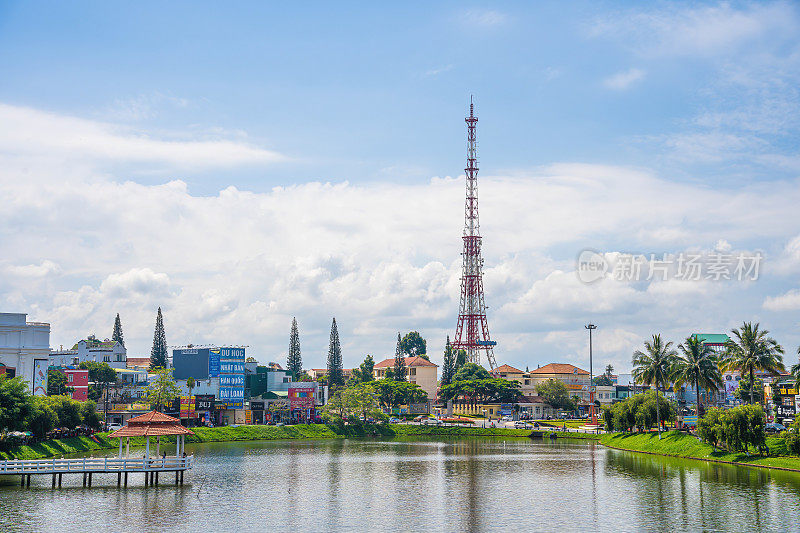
[{"x": 472, "y": 330}]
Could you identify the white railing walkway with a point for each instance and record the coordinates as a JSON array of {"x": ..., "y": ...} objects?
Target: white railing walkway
[{"x": 94, "y": 465}]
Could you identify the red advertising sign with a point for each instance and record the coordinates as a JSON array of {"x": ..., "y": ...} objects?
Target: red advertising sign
[{"x": 302, "y": 397}]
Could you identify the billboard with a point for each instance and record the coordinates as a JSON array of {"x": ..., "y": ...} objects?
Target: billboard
[
  {"x": 302, "y": 396},
  {"x": 231, "y": 376},
  {"x": 188, "y": 407},
  {"x": 204, "y": 402},
  {"x": 214, "y": 362},
  {"x": 40, "y": 377}
]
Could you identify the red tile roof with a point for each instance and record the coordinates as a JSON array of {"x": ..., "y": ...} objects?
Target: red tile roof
[
  {"x": 152, "y": 424},
  {"x": 137, "y": 361},
  {"x": 559, "y": 368},
  {"x": 508, "y": 369},
  {"x": 410, "y": 361}
]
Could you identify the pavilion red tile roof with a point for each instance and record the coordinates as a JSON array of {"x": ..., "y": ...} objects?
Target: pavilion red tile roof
[
  {"x": 152, "y": 424},
  {"x": 508, "y": 369},
  {"x": 137, "y": 361},
  {"x": 410, "y": 361},
  {"x": 559, "y": 368}
]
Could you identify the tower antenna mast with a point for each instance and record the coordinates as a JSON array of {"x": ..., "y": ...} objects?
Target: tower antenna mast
[{"x": 472, "y": 329}]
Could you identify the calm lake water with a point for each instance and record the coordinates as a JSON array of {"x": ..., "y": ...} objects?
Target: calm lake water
[{"x": 416, "y": 485}]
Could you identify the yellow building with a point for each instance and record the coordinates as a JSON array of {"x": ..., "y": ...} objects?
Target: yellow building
[
  {"x": 420, "y": 371},
  {"x": 576, "y": 379},
  {"x": 490, "y": 410},
  {"x": 526, "y": 384}
]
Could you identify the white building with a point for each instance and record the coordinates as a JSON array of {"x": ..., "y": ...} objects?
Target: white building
[
  {"x": 25, "y": 350},
  {"x": 92, "y": 349}
]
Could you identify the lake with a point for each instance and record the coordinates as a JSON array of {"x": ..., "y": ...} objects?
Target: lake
[{"x": 467, "y": 484}]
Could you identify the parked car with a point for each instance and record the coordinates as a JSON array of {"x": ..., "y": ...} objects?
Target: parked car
[
  {"x": 432, "y": 422},
  {"x": 394, "y": 420},
  {"x": 521, "y": 425},
  {"x": 774, "y": 427},
  {"x": 506, "y": 418},
  {"x": 114, "y": 427}
]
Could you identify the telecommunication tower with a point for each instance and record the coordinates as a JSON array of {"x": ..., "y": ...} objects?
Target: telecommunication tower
[{"x": 472, "y": 330}]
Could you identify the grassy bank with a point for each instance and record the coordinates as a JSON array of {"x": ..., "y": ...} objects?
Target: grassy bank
[
  {"x": 677, "y": 444},
  {"x": 62, "y": 447}
]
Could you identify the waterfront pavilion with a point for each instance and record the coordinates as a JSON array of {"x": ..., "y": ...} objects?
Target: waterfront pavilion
[{"x": 152, "y": 424}]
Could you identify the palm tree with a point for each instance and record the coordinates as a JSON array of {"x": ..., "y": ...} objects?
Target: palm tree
[
  {"x": 751, "y": 349},
  {"x": 795, "y": 370},
  {"x": 697, "y": 366},
  {"x": 654, "y": 367}
]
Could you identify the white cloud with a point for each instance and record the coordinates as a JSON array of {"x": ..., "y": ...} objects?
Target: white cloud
[
  {"x": 623, "y": 80},
  {"x": 486, "y": 18},
  {"x": 704, "y": 30},
  {"x": 235, "y": 267},
  {"x": 135, "y": 280},
  {"x": 45, "y": 268},
  {"x": 790, "y": 301},
  {"x": 31, "y": 132}
]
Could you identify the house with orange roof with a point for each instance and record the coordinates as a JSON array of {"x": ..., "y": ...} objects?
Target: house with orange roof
[
  {"x": 576, "y": 379},
  {"x": 420, "y": 371}
]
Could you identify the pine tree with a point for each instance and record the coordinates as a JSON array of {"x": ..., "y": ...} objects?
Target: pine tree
[
  {"x": 117, "y": 335},
  {"x": 449, "y": 365},
  {"x": 400, "y": 369},
  {"x": 294, "y": 362},
  {"x": 335, "y": 374},
  {"x": 158, "y": 354}
]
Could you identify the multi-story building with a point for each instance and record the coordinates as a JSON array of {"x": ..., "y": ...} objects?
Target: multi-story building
[
  {"x": 526, "y": 382},
  {"x": 420, "y": 371},
  {"x": 316, "y": 373},
  {"x": 576, "y": 379},
  {"x": 78, "y": 380},
  {"x": 25, "y": 350},
  {"x": 91, "y": 349}
]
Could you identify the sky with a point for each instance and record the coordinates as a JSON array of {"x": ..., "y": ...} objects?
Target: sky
[{"x": 243, "y": 164}]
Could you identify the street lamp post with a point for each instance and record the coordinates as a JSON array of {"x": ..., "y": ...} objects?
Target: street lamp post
[
  {"x": 484, "y": 418},
  {"x": 591, "y": 327}
]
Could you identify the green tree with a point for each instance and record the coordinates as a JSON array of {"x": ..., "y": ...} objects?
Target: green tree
[
  {"x": 400, "y": 369},
  {"x": 117, "y": 335},
  {"x": 698, "y": 366},
  {"x": 100, "y": 374},
  {"x": 162, "y": 389},
  {"x": 294, "y": 361},
  {"x": 602, "y": 380},
  {"x": 461, "y": 359},
  {"x": 556, "y": 394},
  {"x": 57, "y": 383},
  {"x": 190, "y": 384},
  {"x": 158, "y": 353},
  {"x": 42, "y": 419},
  {"x": 67, "y": 410},
  {"x": 746, "y": 391},
  {"x": 412, "y": 344},
  {"x": 654, "y": 366},
  {"x": 471, "y": 371},
  {"x": 89, "y": 415},
  {"x": 751, "y": 349},
  {"x": 709, "y": 427},
  {"x": 16, "y": 403},
  {"x": 364, "y": 373},
  {"x": 393, "y": 393},
  {"x": 449, "y": 365},
  {"x": 335, "y": 373}
]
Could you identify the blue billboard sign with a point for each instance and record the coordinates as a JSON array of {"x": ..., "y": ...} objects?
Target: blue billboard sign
[
  {"x": 231, "y": 376},
  {"x": 213, "y": 363}
]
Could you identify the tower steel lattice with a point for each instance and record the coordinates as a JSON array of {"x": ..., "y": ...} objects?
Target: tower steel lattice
[{"x": 472, "y": 330}]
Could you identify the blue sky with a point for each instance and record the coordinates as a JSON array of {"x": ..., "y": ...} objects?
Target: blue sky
[{"x": 325, "y": 143}]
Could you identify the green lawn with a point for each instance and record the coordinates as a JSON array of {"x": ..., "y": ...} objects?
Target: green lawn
[{"x": 678, "y": 444}]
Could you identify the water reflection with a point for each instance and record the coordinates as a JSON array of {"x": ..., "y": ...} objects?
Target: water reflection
[{"x": 418, "y": 484}]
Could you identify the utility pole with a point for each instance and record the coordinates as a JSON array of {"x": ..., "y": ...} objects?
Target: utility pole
[{"x": 591, "y": 327}]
